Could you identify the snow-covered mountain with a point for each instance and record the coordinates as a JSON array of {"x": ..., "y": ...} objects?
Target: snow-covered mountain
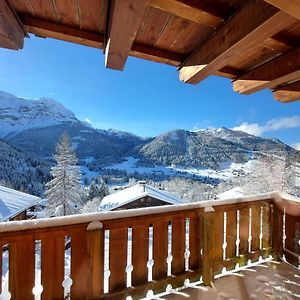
[
  {"x": 36, "y": 125},
  {"x": 19, "y": 114},
  {"x": 209, "y": 148}
]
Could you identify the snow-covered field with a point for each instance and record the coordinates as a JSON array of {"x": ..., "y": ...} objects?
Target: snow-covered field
[{"x": 226, "y": 171}]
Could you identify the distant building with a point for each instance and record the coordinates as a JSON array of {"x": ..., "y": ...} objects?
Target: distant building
[
  {"x": 14, "y": 204},
  {"x": 137, "y": 196}
]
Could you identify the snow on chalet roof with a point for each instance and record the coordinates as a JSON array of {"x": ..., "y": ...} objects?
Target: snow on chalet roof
[
  {"x": 13, "y": 202},
  {"x": 135, "y": 192}
]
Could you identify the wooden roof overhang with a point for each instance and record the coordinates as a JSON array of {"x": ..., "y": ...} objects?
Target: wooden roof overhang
[{"x": 255, "y": 43}]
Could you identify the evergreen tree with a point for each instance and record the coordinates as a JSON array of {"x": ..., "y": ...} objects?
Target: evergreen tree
[{"x": 63, "y": 191}]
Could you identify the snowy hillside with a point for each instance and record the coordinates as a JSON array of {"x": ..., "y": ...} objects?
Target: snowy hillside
[{"x": 18, "y": 114}]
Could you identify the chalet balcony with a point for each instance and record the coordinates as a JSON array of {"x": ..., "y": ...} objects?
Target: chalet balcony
[{"x": 118, "y": 254}]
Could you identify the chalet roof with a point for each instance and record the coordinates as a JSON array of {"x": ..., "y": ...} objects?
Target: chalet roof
[
  {"x": 13, "y": 202},
  {"x": 255, "y": 43},
  {"x": 136, "y": 192}
]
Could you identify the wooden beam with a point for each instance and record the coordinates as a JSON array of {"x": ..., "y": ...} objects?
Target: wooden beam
[
  {"x": 193, "y": 10},
  {"x": 253, "y": 24},
  {"x": 288, "y": 93},
  {"x": 156, "y": 55},
  {"x": 70, "y": 34},
  {"x": 125, "y": 18},
  {"x": 62, "y": 32},
  {"x": 11, "y": 31},
  {"x": 291, "y": 7},
  {"x": 280, "y": 70}
]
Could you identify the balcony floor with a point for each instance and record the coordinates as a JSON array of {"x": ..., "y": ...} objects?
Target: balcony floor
[{"x": 271, "y": 280}]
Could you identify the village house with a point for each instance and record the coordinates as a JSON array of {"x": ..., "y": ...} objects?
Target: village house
[
  {"x": 15, "y": 205},
  {"x": 137, "y": 196}
]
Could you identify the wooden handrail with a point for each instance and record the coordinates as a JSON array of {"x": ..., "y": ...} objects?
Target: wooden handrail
[{"x": 174, "y": 242}]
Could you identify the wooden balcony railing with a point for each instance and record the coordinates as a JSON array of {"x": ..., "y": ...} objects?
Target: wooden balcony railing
[{"x": 145, "y": 249}]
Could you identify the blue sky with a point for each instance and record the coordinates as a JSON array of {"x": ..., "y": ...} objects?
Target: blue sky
[{"x": 146, "y": 98}]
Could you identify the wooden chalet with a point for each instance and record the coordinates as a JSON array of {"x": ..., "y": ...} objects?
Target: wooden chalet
[
  {"x": 255, "y": 43},
  {"x": 137, "y": 196}
]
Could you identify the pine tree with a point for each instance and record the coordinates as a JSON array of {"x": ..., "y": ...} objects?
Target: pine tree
[{"x": 63, "y": 191}]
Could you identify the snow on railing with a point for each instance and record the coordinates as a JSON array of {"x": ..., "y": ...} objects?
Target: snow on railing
[{"x": 127, "y": 253}]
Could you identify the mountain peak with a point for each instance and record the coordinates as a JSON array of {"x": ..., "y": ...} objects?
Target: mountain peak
[{"x": 18, "y": 114}]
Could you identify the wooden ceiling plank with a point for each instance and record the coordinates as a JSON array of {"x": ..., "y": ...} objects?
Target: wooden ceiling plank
[
  {"x": 124, "y": 20},
  {"x": 282, "y": 69},
  {"x": 252, "y": 25},
  {"x": 91, "y": 39},
  {"x": 189, "y": 9},
  {"x": 11, "y": 31},
  {"x": 291, "y": 7},
  {"x": 62, "y": 32}
]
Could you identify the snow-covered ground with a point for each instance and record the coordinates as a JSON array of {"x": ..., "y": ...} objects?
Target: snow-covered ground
[{"x": 227, "y": 170}]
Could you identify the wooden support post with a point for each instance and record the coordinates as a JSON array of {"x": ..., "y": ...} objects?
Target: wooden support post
[
  {"x": 95, "y": 240},
  {"x": 276, "y": 231},
  {"x": 207, "y": 238}
]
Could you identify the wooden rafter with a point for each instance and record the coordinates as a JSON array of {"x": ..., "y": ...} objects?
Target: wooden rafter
[
  {"x": 282, "y": 69},
  {"x": 124, "y": 20},
  {"x": 11, "y": 32},
  {"x": 62, "y": 32},
  {"x": 291, "y": 7},
  {"x": 91, "y": 39},
  {"x": 253, "y": 24},
  {"x": 288, "y": 93},
  {"x": 193, "y": 10}
]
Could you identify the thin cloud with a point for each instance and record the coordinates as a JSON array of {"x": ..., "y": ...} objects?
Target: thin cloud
[
  {"x": 87, "y": 120},
  {"x": 272, "y": 125}
]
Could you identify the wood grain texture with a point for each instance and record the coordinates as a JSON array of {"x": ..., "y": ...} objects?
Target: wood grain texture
[
  {"x": 52, "y": 267},
  {"x": 22, "y": 269},
  {"x": 95, "y": 240},
  {"x": 178, "y": 245},
  {"x": 140, "y": 251},
  {"x": 253, "y": 24},
  {"x": 282, "y": 69},
  {"x": 160, "y": 249},
  {"x": 124, "y": 20},
  {"x": 79, "y": 264},
  {"x": 11, "y": 32},
  {"x": 291, "y": 7},
  {"x": 118, "y": 240},
  {"x": 195, "y": 243}
]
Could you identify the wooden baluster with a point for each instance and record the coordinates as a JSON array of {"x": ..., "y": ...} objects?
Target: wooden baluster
[
  {"x": 244, "y": 231},
  {"x": 95, "y": 240},
  {"x": 52, "y": 266},
  {"x": 160, "y": 249},
  {"x": 208, "y": 245},
  {"x": 178, "y": 245},
  {"x": 118, "y": 241},
  {"x": 231, "y": 235},
  {"x": 140, "y": 251},
  {"x": 218, "y": 238},
  {"x": 195, "y": 241},
  {"x": 22, "y": 268},
  {"x": 255, "y": 226},
  {"x": 79, "y": 263},
  {"x": 277, "y": 232},
  {"x": 266, "y": 226}
]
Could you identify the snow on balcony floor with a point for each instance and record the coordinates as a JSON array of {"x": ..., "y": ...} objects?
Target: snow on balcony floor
[{"x": 271, "y": 280}]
